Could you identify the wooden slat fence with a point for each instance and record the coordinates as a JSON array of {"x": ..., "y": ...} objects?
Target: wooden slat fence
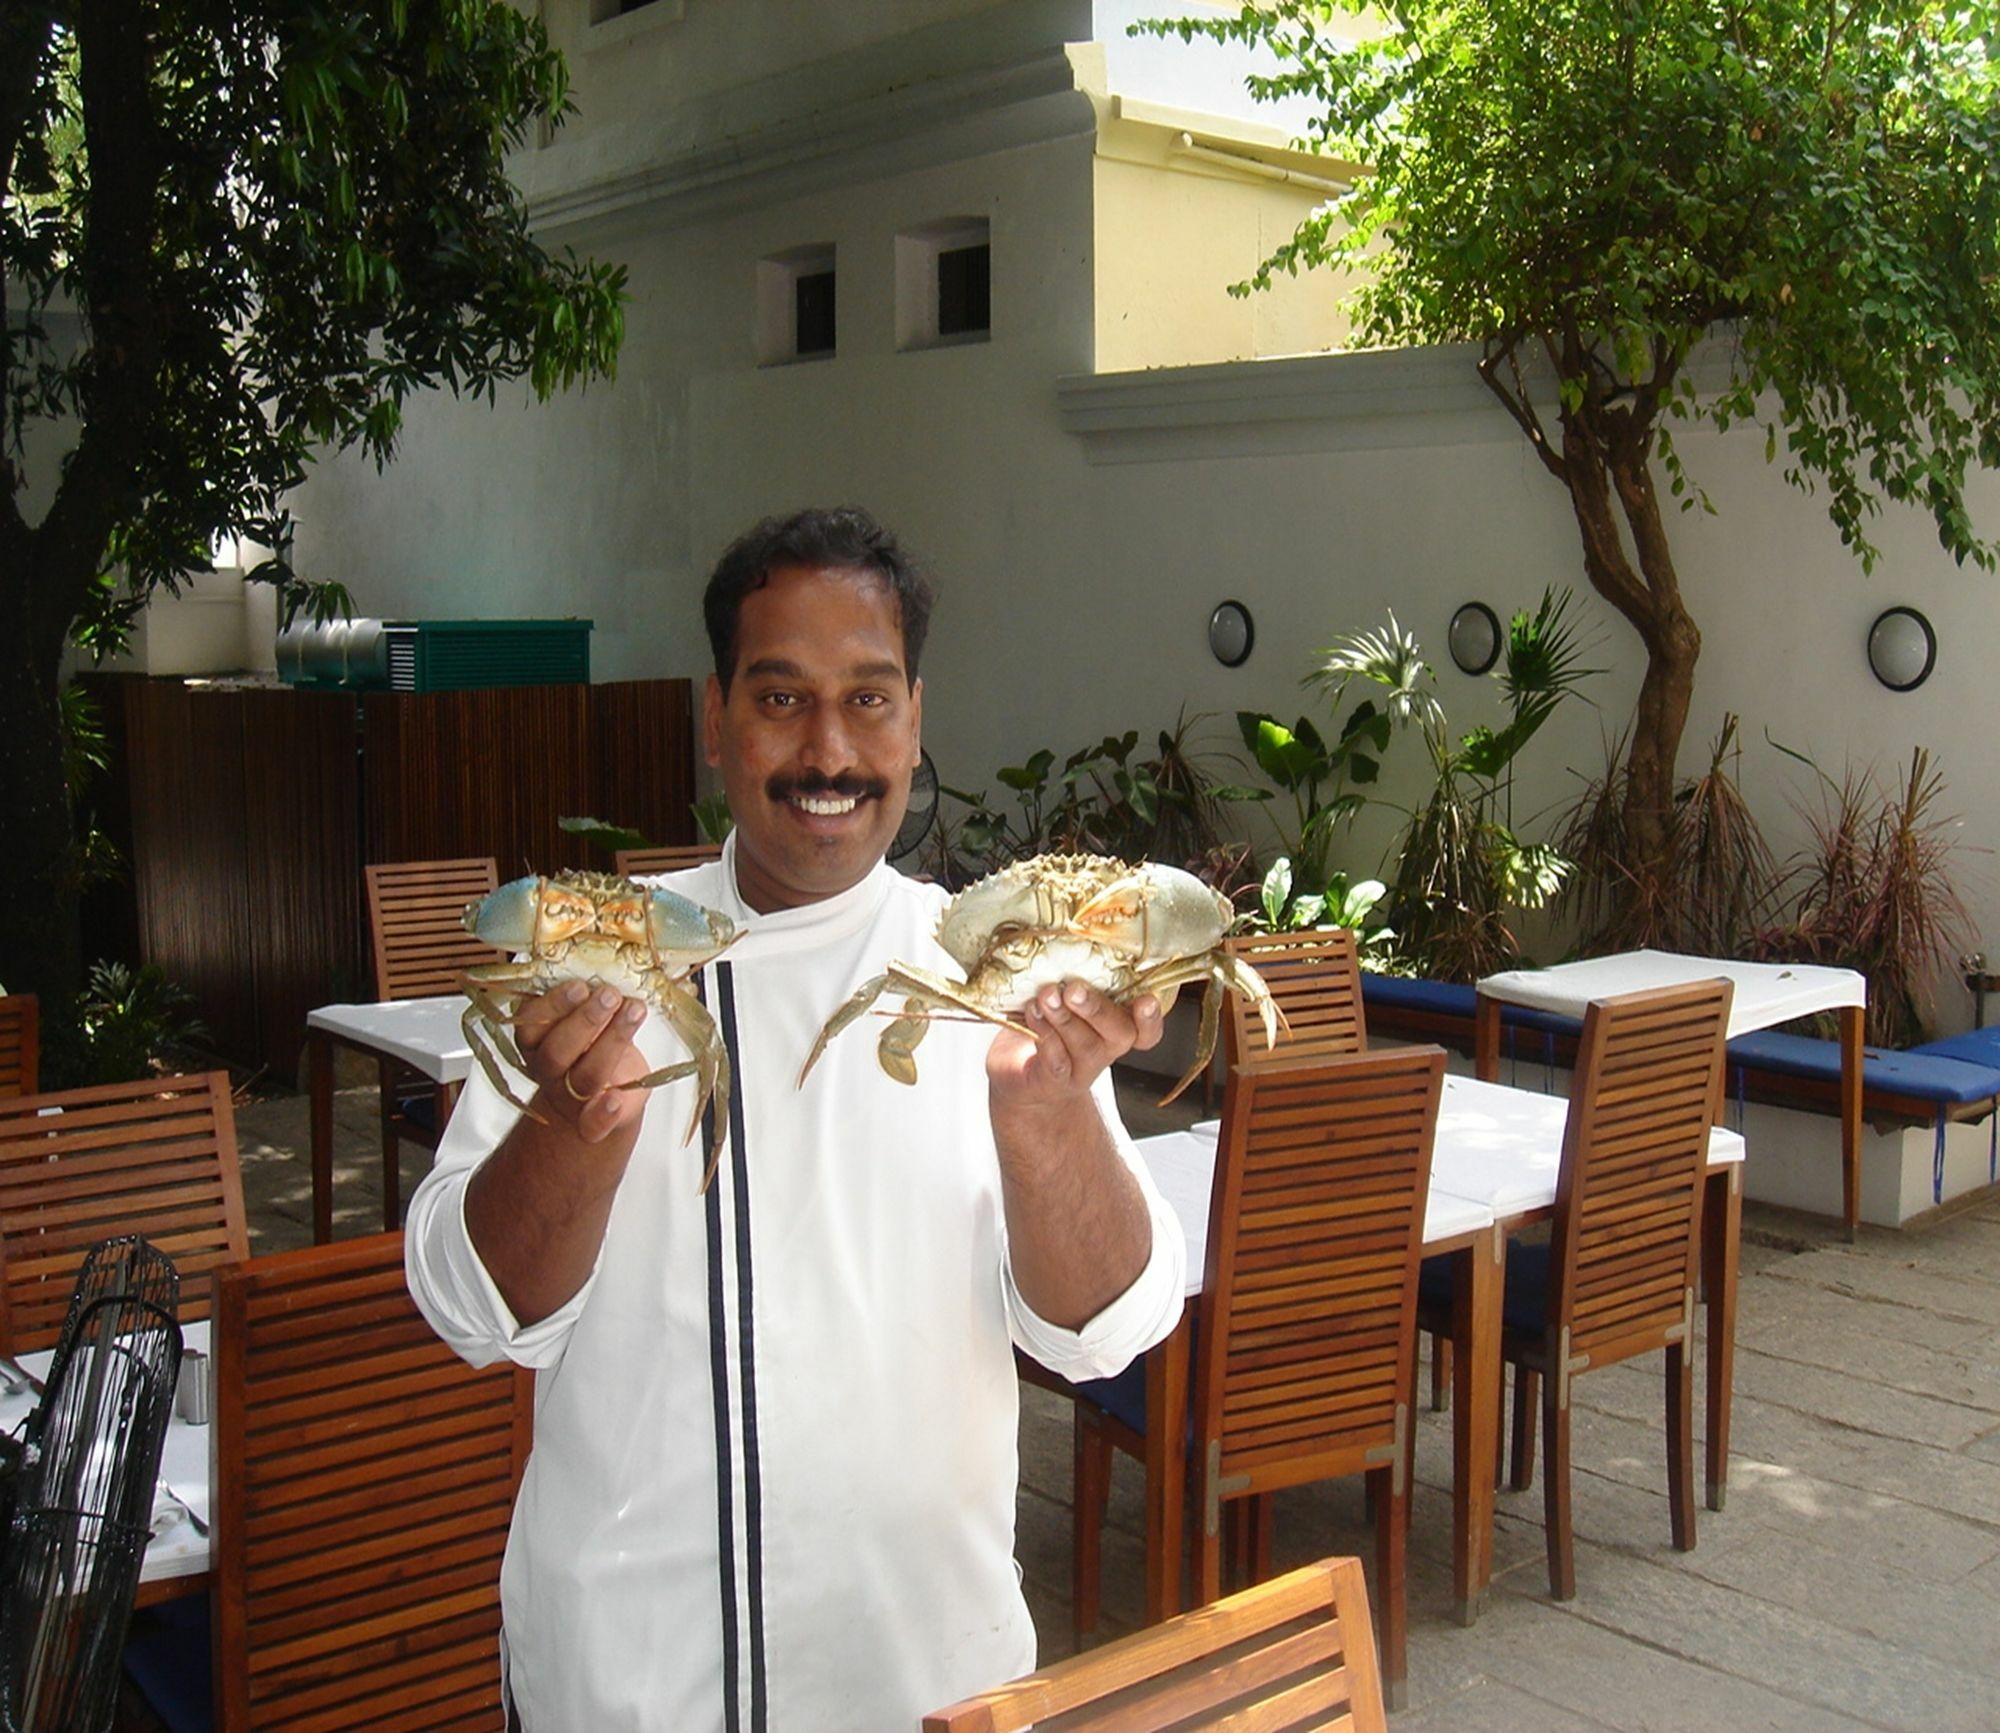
[{"x": 254, "y": 811}]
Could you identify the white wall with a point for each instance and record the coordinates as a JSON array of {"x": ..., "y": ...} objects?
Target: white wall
[{"x": 1079, "y": 566}]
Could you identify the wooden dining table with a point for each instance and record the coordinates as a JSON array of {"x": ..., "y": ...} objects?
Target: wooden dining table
[
  {"x": 1493, "y": 1169},
  {"x": 176, "y": 1561},
  {"x": 423, "y": 1033},
  {"x": 1762, "y": 996}
]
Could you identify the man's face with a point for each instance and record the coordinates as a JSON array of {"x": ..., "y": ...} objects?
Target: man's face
[{"x": 818, "y": 735}]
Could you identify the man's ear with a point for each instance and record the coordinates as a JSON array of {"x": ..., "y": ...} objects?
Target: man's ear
[
  {"x": 711, "y": 720},
  {"x": 916, "y": 718}
]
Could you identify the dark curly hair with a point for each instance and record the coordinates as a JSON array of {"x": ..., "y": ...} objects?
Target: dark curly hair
[{"x": 845, "y": 538}]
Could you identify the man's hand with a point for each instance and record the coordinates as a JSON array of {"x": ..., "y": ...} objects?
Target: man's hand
[
  {"x": 1080, "y": 1032},
  {"x": 1078, "y": 1232},
  {"x": 577, "y": 1042},
  {"x": 536, "y": 1208}
]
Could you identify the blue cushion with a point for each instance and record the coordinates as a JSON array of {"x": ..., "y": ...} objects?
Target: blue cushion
[
  {"x": 1974, "y": 1047},
  {"x": 1525, "y": 1304},
  {"x": 167, "y": 1650},
  {"x": 1921, "y": 1071},
  {"x": 420, "y": 1110},
  {"x": 1123, "y": 1397},
  {"x": 1455, "y": 999},
  {"x": 1413, "y": 993}
]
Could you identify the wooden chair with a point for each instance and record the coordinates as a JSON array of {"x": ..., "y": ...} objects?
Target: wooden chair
[
  {"x": 20, "y": 1043},
  {"x": 1316, "y": 979},
  {"x": 1617, "y": 1278},
  {"x": 1305, "y": 1337},
  {"x": 156, "y": 1157},
  {"x": 365, "y": 1478},
  {"x": 416, "y": 930},
  {"x": 1296, "y": 1652},
  {"x": 632, "y": 862}
]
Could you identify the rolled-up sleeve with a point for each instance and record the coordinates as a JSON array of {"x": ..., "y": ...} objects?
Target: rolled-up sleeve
[
  {"x": 448, "y": 1279},
  {"x": 1141, "y": 1316}
]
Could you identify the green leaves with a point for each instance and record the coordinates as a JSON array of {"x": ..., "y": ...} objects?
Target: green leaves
[
  {"x": 1614, "y": 179},
  {"x": 1294, "y": 757},
  {"x": 328, "y": 229}
]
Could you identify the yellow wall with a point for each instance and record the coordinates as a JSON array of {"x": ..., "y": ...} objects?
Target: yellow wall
[{"x": 1173, "y": 230}]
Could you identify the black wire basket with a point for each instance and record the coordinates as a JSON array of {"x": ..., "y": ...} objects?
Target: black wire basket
[{"x": 84, "y": 1515}]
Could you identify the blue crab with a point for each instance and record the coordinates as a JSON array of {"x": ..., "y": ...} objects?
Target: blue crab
[
  {"x": 1127, "y": 930},
  {"x": 640, "y": 940}
]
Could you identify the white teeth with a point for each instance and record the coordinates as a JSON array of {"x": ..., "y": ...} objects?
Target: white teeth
[{"x": 821, "y": 807}]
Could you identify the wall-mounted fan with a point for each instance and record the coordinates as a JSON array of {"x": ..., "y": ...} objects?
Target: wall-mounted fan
[{"x": 922, "y": 813}]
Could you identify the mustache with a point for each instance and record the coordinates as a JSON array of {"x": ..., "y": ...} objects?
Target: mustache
[{"x": 818, "y": 786}]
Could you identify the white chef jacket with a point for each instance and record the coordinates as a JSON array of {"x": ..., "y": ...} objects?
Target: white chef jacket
[{"x": 774, "y": 1466}]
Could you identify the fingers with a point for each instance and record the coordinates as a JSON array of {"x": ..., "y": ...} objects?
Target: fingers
[
  {"x": 578, "y": 1043},
  {"x": 1082, "y": 1030}
]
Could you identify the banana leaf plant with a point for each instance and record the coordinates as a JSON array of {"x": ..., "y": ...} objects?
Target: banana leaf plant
[
  {"x": 1461, "y": 866},
  {"x": 1324, "y": 780}
]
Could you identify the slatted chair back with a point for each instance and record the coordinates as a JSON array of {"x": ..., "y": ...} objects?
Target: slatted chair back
[
  {"x": 365, "y": 1478},
  {"x": 1316, "y": 979},
  {"x": 1294, "y": 1653},
  {"x": 1308, "y": 1314},
  {"x": 20, "y": 1043},
  {"x": 416, "y": 912},
  {"x": 156, "y": 1157},
  {"x": 636, "y": 862},
  {"x": 1623, "y": 1251}
]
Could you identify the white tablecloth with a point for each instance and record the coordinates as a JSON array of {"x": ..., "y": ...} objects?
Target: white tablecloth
[
  {"x": 1182, "y": 1164},
  {"x": 1497, "y": 1154},
  {"x": 420, "y": 1032},
  {"x": 1766, "y": 993}
]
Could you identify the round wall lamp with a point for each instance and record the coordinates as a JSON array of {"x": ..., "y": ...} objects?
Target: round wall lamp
[
  {"x": 1231, "y": 633},
  {"x": 1902, "y": 649},
  {"x": 1474, "y": 638}
]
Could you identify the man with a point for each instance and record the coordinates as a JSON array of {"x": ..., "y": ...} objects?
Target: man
[{"x": 774, "y": 1470}]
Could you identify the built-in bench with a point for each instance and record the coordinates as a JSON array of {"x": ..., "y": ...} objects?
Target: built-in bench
[{"x": 1951, "y": 1080}]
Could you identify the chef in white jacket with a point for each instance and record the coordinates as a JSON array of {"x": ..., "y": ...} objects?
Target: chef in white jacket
[{"x": 774, "y": 1466}]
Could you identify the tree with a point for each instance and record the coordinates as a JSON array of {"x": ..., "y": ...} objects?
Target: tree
[
  {"x": 233, "y": 232},
  {"x": 1593, "y": 190}
]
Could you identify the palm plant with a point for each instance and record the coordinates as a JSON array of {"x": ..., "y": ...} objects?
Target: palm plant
[{"x": 1461, "y": 867}]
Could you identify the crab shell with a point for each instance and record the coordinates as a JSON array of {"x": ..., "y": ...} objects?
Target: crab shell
[
  {"x": 1126, "y": 930},
  {"x": 1077, "y": 918},
  {"x": 642, "y": 941},
  {"x": 598, "y": 914}
]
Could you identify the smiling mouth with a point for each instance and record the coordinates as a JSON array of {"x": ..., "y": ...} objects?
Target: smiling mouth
[{"x": 826, "y": 805}]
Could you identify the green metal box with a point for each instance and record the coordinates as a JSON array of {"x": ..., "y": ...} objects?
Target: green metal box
[{"x": 456, "y": 655}]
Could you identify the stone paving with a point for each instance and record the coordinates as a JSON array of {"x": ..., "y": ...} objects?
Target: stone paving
[{"x": 1852, "y": 1581}]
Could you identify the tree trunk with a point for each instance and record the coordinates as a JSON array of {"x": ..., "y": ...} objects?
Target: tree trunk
[
  {"x": 41, "y": 948},
  {"x": 1606, "y": 467}
]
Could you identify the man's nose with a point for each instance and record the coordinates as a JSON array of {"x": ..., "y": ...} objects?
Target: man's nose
[{"x": 829, "y": 744}]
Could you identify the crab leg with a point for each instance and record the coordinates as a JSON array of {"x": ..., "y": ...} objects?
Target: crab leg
[
  {"x": 493, "y": 988},
  {"x": 689, "y": 1018},
  {"x": 1164, "y": 981},
  {"x": 907, "y": 1029},
  {"x": 476, "y": 1038}
]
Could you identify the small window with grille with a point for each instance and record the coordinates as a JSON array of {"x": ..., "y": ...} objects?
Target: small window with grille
[
  {"x": 944, "y": 284},
  {"x": 795, "y": 306}
]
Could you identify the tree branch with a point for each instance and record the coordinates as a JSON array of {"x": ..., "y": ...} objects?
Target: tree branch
[
  {"x": 100, "y": 483},
  {"x": 26, "y": 35},
  {"x": 1517, "y": 404}
]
